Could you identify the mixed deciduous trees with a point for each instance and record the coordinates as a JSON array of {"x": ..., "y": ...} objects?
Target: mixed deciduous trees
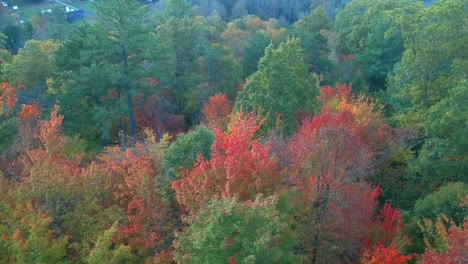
[
  {"x": 293, "y": 174},
  {"x": 281, "y": 88},
  {"x": 227, "y": 230},
  {"x": 239, "y": 167},
  {"x": 362, "y": 29},
  {"x": 430, "y": 77}
]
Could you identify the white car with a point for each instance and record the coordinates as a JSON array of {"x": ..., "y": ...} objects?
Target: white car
[{"x": 5, "y": 4}]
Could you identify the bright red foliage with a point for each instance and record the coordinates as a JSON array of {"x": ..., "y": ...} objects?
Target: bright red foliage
[
  {"x": 139, "y": 232},
  {"x": 368, "y": 121},
  {"x": 327, "y": 152},
  {"x": 330, "y": 155},
  {"x": 384, "y": 227},
  {"x": 239, "y": 166},
  {"x": 384, "y": 255}
]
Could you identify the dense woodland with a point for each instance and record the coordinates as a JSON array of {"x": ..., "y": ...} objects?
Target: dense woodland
[{"x": 324, "y": 133}]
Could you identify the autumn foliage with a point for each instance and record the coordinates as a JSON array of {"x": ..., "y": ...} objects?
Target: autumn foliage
[
  {"x": 384, "y": 255},
  {"x": 239, "y": 167},
  {"x": 217, "y": 110},
  {"x": 28, "y": 111},
  {"x": 454, "y": 248},
  {"x": 187, "y": 136},
  {"x": 331, "y": 156},
  {"x": 7, "y": 98}
]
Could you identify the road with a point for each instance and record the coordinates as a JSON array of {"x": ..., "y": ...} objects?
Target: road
[{"x": 91, "y": 14}]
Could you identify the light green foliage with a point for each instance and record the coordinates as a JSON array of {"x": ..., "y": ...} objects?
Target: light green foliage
[
  {"x": 434, "y": 59},
  {"x": 446, "y": 200},
  {"x": 5, "y": 58},
  {"x": 183, "y": 152},
  {"x": 280, "y": 88},
  {"x": 30, "y": 67},
  {"x": 361, "y": 30},
  {"x": 156, "y": 149},
  {"x": 74, "y": 202},
  {"x": 255, "y": 232},
  {"x": 105, "y": 252}
]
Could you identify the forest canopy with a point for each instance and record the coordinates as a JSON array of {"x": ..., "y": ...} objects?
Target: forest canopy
[{"x": 219, "y": 131}]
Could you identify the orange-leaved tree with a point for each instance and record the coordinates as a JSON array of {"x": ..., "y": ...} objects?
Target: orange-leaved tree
[
  {"x": 217, "y": 110},
  {"x": 380, "y": 254}
]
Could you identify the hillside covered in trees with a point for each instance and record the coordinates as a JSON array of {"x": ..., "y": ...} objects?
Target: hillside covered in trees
[{"x": 235, "y": 132}]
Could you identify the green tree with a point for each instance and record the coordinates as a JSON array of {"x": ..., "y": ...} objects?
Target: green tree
[
  {"x": 434, "y": 58},
  {"x": 428, "y": 91},
  {"x": 312, "y": 30},
  {"x": 105, "y": 251},
  {"x": 234, "y": 232},
  {"x": 254, "y": 50},
  {"x": 280, "y": 88},
  {"x": 444, "y": 155},
  {"x": 102, "y": 68},
  {"x": 186, "y": 36},
  {"x": 179, "y": 9},
  {"x": 11, "y": 27},
  {"x": 361, "y": 30},
  {"x": 183, "y": 152},
  {"x": 223, "y": 71},
  {"x": 446, "y": 200},
  {"x": 31, "y": 67}
]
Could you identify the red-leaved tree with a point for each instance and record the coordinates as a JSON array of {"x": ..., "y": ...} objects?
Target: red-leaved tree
[
  {"x": 239, "y": 166},
  {"x": 133, "y": 174},
  {"x": 326, "y": 156}
]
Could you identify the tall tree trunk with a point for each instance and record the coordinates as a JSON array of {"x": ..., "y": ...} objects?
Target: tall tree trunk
[
  {"x": 320, "y": 206},
  {"x": 131, "y": 116},
  {"x": 316, "y": 245}
]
